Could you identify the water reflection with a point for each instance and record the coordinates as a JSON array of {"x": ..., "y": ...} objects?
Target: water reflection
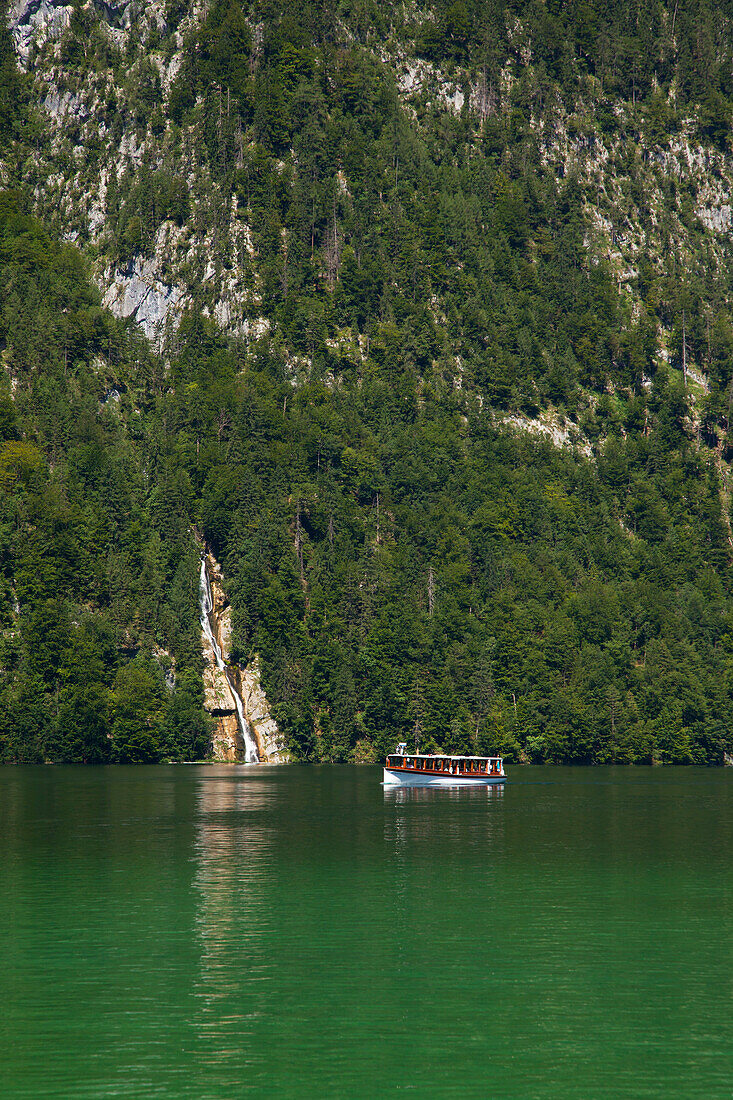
[
  {"x": 297, "y": 932},
  {"x": 232, "y": 850},
  {"x": 449, "y": 794},
  {"x": 439, "y": 824}
]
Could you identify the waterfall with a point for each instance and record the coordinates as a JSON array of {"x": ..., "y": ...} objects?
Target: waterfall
[{"x": 207, "y": 606}]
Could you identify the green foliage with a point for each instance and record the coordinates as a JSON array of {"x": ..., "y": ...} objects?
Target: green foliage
[
  {"x": 87, "y": 580},
  {"x": 415, "y": 572},
  {"x": 154, "y": 197},
  {"x": 405, "y": 566},
  {"x": 17, "y": 125}
]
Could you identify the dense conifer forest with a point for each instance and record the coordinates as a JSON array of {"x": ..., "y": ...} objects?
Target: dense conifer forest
[{"x": 465, "y": 465}]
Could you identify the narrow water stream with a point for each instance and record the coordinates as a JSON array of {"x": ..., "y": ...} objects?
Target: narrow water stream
[{"x": 207, "y": 605}]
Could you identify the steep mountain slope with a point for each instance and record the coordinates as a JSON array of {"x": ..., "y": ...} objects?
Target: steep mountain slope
[
  {"x": 246, "y": 162},
  {"x": 373, "y": 252},
  {"x": 98, "y": 590}
]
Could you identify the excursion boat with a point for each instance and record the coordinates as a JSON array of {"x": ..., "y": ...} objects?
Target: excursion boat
[{"x": 405, "y": 769}]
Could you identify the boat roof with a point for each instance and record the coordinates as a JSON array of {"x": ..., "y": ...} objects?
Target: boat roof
[{"x": 442, "y": 756}]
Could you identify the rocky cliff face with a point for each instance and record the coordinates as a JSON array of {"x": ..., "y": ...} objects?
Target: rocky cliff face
[
  {"x": 110, "y": 122},
  {"x": 257, "y": 709},
  {"x": 228, "y": 743},
  {"x": 95, "y": 144}
]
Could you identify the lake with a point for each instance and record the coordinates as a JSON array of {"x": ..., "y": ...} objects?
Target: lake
[{"x": 295, "y": 932}]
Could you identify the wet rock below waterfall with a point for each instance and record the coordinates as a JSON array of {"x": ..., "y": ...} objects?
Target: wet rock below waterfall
[{"x": 226, "y": 740}]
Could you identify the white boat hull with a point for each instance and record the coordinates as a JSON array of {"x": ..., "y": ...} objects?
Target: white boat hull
[{"x": 420, "y": 779}]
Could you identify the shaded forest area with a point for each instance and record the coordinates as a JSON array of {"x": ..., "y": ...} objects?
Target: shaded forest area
[
  {"x": 98, "y": 567},
  {"x": 406, "y": 562}
]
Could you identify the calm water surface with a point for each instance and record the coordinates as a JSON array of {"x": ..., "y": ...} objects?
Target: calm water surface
[{"x": 297, "y": 932}]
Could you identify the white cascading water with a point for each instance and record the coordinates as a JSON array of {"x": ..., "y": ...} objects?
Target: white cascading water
[{"x": 207, "y": 606}]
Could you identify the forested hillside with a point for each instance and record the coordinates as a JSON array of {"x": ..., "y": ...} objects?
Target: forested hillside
[
  {"x": 437, "y": 358},
  {"x": 99, "y": 573}
]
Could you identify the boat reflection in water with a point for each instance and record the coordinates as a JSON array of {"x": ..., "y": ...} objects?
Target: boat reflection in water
[{"x": 394, "y": 793}]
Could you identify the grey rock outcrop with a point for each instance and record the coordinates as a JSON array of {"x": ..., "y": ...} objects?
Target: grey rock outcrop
[
  {"x": 139, "y": 294},
  {"x": 37, "y": 21}
]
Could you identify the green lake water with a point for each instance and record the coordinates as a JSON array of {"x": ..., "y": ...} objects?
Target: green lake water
[{"x": 301, "y": 932}]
